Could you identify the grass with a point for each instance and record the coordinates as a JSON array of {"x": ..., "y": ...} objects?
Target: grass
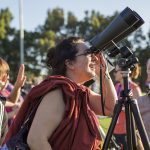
[{"x": 104, "y": 123}]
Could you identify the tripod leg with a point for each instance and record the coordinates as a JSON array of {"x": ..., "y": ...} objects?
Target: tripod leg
[
  {"x": 134, "y": 139},
  {"x": 117, "y": 110},
  {"x": 140, "y": 125},
  {"x": 128, "y": 126},
  {"x": 131, "y": 133}
]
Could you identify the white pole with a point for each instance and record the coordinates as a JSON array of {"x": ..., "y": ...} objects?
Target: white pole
[{"x": 21, "y": 31}]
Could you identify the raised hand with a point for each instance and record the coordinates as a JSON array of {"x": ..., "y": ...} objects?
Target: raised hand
[
  {"x": 21, "y": 78},
  {"x": 14, "y": 96},
  {"x": 100, "y": 63}
]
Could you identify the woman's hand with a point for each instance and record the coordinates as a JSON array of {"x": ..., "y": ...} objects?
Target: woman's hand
[{"x": 100, "y": 63}]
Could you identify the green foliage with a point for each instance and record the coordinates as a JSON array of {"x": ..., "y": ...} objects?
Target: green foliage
[
  {"x": 55, "y": 28},
  {"x": 105, "y": 123},
  {"x": 5, "y": 20},
  {"x": 72, "y": 23},
  {"x": 54, "y": 20}
]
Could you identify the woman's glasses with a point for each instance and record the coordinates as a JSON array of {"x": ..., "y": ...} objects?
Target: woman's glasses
[{"x": 85, "y": 53}]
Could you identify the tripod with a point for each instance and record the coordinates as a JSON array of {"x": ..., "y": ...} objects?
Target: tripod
[{"x": 132, "y": 116}]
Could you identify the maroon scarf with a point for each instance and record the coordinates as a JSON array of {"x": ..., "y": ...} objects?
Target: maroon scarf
[{"x": 79, "y": 127}]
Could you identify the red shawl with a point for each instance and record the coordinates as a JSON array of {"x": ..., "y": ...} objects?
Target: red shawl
[{"x": 79, "y": 127}]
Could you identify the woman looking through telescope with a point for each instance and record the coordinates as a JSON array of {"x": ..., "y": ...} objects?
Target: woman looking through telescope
[{"x": 66, "y": 116}]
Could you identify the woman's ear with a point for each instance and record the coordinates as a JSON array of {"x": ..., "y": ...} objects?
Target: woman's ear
[{"x": 69, "y": 64}]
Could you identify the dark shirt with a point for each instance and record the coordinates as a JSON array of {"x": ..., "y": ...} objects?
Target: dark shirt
[{"x": 3, "y": 118}]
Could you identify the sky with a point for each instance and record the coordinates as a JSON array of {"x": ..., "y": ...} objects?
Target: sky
[{"x": 35, "y": 11}]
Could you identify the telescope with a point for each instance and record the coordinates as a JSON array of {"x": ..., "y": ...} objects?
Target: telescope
[{"x": 121, "y": 26}]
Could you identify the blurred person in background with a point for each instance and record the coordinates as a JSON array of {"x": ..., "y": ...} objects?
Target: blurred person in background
[
  {"x": 65, "y": 118},
  {"x": 147, "y": 82},
  {"x": 30, "y": 83},
  {"x": 144, "y": 102},
  {"x": 11, "y": 110},
  {"x": 120, "y": 128},
  {"x": 12, "y": 99}
]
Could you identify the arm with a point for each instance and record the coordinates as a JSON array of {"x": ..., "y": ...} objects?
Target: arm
[
  {"x": 9, "y": 104},
  {"x": 136, "y": 92},
  {"x": 110, "y": 96},
  {"x": 14, "y": 96},
  {"x": 48, "y": 116}
]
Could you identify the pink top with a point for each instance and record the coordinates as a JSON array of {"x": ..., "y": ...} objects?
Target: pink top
[{"x": 120, "y": 127}]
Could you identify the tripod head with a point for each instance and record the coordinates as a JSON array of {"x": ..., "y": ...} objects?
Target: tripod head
[
  {"x": 127, "y": 58},
  {"x": 126, "y": 62}
]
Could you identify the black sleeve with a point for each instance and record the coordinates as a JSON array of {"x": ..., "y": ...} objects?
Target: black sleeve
[{"x": 3, "y": 99}]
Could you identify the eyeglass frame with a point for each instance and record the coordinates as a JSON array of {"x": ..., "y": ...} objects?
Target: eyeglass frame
[{"x": 84, "y": 53}]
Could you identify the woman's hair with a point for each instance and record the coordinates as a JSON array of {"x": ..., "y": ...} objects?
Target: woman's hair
[
  {"x": 135, "y": 72},
  {"x": 56, "y": 56},
  {"x": 4, "y": 67}
]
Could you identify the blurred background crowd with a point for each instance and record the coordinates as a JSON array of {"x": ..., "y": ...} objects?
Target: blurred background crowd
[{"x": 56, "y": 27}]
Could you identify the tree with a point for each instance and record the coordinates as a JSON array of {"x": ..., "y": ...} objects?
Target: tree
[
  {"x": 54, "y": 20},
  {"x": 54, "y": 29},
  {"x": 72, "y": 23},
  {"x": 5, "y": 19},
  {"x": 7, "y": 45}
]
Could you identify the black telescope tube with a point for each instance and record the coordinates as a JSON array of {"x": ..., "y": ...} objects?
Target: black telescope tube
[
  {"x": 139, "y": 23},
  {"x": 120, "y": 24},
  {"x": 129, "y": 31},
  {"x": 129, "y": 16},
  {"x": 126, "y": 33}
]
